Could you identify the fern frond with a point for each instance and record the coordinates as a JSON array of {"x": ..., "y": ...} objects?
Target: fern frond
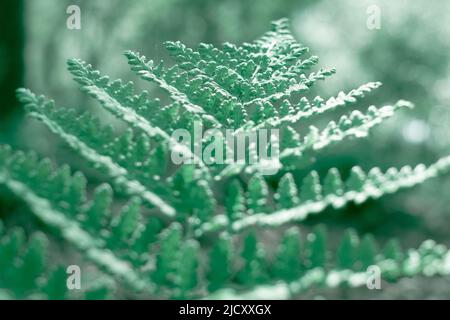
[
  {"x": 169, "y": 80},
  {"x": 118, "y": 99},
  {"x": 358, "y": 188},
  {"x": 129, "y": 171},
  {"x": 241, "y": 89},
  {"x": 356, "y": 125},
  {"x": 58, "y": 199},
  {"x": 294, "y": 273}
]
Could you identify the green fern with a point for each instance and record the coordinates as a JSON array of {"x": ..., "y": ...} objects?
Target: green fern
[
  {"x": 25, "y": 271},
  {"x": 178, "y": 236}
]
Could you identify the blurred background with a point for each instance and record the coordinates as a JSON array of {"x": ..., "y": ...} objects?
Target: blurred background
[{"x": 409, "y": 54}]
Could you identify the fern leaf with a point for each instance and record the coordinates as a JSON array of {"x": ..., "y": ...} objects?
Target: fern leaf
[
  {"x": 188, "y": 269},
  {"x": 157, "y": 74},
  {"x": 322, "y": 270},
  {"x": 93, "y": 145},
  {"x": 120, "y": 103},
  {"x": 287, "y": 193},
  {"x": 168, "y": 257},
  {"x": 296, "y": 154},
  {"x": 255, "y": 268},
  {"x": 235, "y": 201},
  {"x": 356, "y": 125},
  {"x": 220, "y": 263},
  {"x": 257, "y": 194},
  {"x": 162, "y": 252},
  {"x": 288, "y": 264},
  {"x": 367, "y": 252},
  {"x": 314, "y": 200},
  {"x": 25, "y": 270},
  {"x": 374, "y": 187},
  {"x": 82, "y": 228},
  {"x": 347, "y": 251},
  {"x": 306, "y": 109}
]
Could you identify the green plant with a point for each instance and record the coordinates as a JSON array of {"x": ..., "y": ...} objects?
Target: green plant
[{"x": 177, "y": 236}]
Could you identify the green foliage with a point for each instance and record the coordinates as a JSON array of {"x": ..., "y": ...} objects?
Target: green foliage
[
  {"x": 288, "y": 261},
  {"x": 287, "y": 193},
  {"x": 25, "y": 269},
  {"x": 254, "y": 269},
  {"x": 321, "y": 268},
  {"x": 168, "y": 257},
  {"x": 178, "y": 233},
  {"x": 257, "y": 195},
  {"x": 188, "y": 268},
  {"x": 220, "y": 258},
  {"x": 346, "y": 253},
  {"x": 235, "y": 201},
  {"x": 316, "y": 254}
]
